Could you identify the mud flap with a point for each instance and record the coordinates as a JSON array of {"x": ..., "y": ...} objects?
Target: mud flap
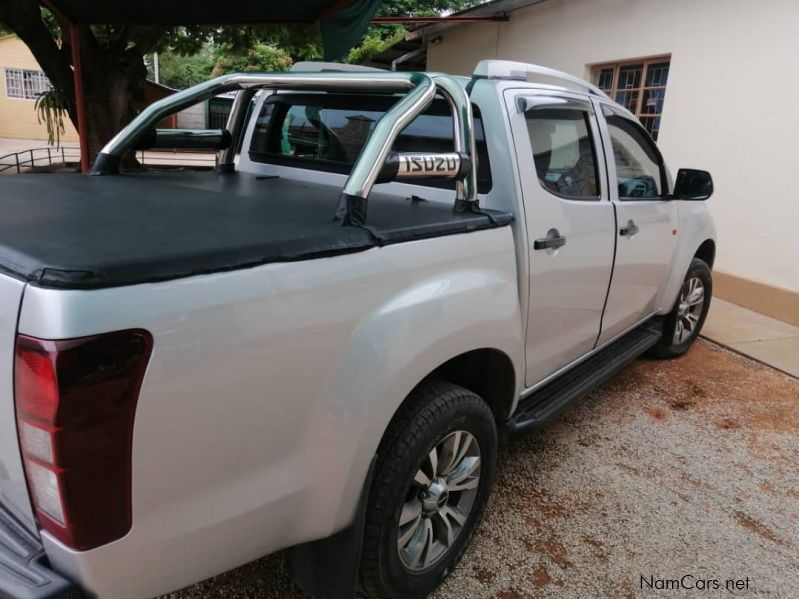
[{"x": 328, "y": 568}]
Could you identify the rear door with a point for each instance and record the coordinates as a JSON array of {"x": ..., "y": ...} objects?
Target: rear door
[
  {"x": 570, "y": 225},
  {"x": 13, "y": 490},
  {"x": 646, "y": 235}
]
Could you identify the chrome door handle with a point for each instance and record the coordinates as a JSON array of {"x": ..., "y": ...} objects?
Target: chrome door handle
[
  {"x": 629, "y": 229},
  {"x": 552, "y": 241}
]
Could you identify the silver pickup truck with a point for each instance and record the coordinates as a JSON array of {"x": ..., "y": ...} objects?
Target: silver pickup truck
[{"x": 319, "y": 346}]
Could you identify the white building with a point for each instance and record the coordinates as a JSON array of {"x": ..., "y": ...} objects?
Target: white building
[{"x": 715, "y": 80}]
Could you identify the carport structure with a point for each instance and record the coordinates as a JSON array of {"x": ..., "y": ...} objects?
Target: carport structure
[{"x": 342, "y": 23}]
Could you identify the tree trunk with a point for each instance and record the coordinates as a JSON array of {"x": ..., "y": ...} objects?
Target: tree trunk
[
  {"x": 113, "y": 84},
  {"x": 114, "y": 73}
]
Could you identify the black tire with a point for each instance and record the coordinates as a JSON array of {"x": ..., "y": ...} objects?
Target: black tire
[
  {"x": 433, "y": 411},
  {"x": 668, "y": 347}
]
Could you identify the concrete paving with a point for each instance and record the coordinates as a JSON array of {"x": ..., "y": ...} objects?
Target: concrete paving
[
  {"x": 9, "y": 145},
  {"x": 766, "y": 339}
]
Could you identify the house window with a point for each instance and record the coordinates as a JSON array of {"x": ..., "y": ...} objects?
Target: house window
[
  {"x": 639, "y": 86},
  {"x": 25, "y": 84}
]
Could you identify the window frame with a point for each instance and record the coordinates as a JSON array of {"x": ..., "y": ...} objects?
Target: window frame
[
  {"x": 533, "y": 103},
  {"x": 39, "y": 83},
  {"x": 665, "y": 193},
  {"x": 596, "y": 69}
]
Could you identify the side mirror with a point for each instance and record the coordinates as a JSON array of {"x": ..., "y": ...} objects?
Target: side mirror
[{"x": 692, "y": 184}]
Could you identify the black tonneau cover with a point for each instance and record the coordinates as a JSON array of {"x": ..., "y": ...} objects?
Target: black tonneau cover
[{"x": 79, "y": 232}]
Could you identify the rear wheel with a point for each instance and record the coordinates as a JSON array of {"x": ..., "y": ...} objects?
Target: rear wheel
[
  {"x": 433, "y": 476},
  {"x": 682, "y": 326}
]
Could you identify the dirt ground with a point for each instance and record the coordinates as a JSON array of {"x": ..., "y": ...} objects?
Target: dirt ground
[{"x": 684, "y": 470}]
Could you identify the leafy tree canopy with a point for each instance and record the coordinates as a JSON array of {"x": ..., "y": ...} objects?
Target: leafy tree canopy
[
  {"x": 260, "y": 57},
  {"x": 114, "y": 62}
]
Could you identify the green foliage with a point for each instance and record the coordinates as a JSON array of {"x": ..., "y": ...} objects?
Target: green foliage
[
  {"x": 261, "y": 57},
  {"x": 180, "y": 72},
  {"x": 377, "y": 40},
  {"x": 51, "y": 109},
  {"x": 424, "y": 7}
]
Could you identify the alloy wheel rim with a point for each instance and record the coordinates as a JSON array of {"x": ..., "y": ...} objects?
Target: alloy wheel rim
[
  {"x": 439, "y": 500},
  {"x": 689, "y": 309}
]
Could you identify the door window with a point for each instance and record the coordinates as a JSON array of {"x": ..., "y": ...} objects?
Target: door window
[
  {"x": 639, "y": 167},
  {"x": 563, "y": 152}
]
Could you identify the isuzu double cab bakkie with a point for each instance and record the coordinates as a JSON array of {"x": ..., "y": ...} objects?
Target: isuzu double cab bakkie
[{"x": 317, "y": 346}]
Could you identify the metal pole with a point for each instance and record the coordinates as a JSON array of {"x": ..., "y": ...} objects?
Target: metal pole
[
  {"x": 156, "y": 68},
  {"x": 80, "y": 106},
  {"x": 16, "y": 158},
  {"x": 235, "y": 123}
]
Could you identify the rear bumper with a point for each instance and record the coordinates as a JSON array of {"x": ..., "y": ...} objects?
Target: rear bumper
[{"x": 24, "y": 573}]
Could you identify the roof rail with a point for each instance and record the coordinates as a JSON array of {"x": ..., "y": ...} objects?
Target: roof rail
[{"x": 508, "y": 69}]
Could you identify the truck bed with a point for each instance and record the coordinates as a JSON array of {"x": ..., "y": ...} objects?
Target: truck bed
[{"x": 78, "y": 232}]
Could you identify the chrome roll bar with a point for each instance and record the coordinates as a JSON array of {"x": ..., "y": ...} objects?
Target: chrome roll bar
[
  {"x": 463, "y": 133},
  {"x": 421, "y": 88},
  {"x": 366, "y": 169}
]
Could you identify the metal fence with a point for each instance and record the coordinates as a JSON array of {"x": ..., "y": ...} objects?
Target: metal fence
[
  {"x": 42, "y": 157},
  {"x": 38, "y": 157}
]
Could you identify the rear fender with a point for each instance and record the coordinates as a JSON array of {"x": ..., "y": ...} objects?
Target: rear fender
[{"x": 408, "y": 337}]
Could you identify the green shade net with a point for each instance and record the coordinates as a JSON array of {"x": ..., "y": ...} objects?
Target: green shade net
[{"x": 344, "y": 30}]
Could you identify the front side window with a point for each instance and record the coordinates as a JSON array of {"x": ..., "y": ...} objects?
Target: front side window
[
  {"x": 25, "y": 84},
  {"x": 639, "y": 170},
  {"x": 563, "y": 152}
]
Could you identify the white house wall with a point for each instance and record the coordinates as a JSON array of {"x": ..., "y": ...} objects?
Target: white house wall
[{"x": 730, "y": 104}]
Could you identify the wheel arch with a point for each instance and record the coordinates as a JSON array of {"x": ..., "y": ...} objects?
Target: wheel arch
[
  {"x": 697, "y": 239},
  {"x": 488, "y": 372},
  {"x": 707, "y": 252}
]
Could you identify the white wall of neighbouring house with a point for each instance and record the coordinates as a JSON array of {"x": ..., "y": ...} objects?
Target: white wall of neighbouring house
[{"x": 730, "y": 105}]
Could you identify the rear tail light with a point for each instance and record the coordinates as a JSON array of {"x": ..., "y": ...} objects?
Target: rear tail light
[{"x": 76, "y": 402}]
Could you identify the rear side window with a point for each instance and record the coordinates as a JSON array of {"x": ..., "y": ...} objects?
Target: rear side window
[
  {"x": 639, "y": 168},
  {"x": 327, "y": 132},
  {"x": 563, "y": 152}
]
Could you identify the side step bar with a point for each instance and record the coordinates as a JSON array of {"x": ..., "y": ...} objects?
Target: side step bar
[{"x": 536, "y": 409}]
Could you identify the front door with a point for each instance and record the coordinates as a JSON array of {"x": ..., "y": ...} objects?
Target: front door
[
  {"x": 646, "y": 218},
  {"x": 570, "y": 226}
]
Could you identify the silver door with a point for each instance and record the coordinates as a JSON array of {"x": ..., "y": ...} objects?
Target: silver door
[
  {"x": 647, "y": 221},
  {"x": 570, "y": 226}
]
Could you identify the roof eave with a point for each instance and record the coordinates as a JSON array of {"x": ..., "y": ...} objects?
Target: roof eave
[{"x": 496, "y": 7}]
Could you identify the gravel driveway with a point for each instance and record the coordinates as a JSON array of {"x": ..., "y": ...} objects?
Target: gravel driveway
[{"x": 681, "y": 468}]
